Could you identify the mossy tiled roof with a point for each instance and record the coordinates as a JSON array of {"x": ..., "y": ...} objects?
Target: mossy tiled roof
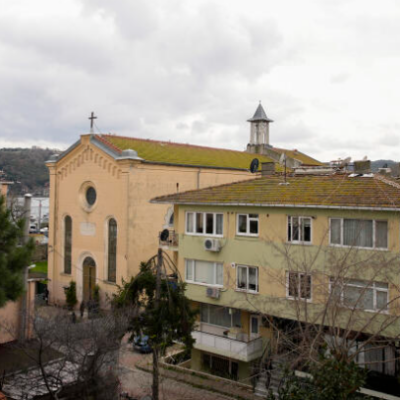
[
  {"x": 182, "y": 154},
  {"x": 298, "y": 155},
  {"x": 322, "y": 191}
]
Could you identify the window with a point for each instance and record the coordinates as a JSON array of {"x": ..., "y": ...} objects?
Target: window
[
  {"x": 91, "y": 195},
  {"x": 247, "y": 278},
  {"x": 247, "y": 224},
  {"x": 223, "y": 367},
  {"x": 112, "y": 251},
  {"x": 298, "y": 286},
  {"x": 200, "y": 223},
  {"x": 67, "y": 244},
  {"x": 221, "y": 316},
  {"x": 208, "y": 273},
  {"x": 367, "y": 296},
  {"x": 359, "y": 233},
  {"x": 299, "y": 229}
]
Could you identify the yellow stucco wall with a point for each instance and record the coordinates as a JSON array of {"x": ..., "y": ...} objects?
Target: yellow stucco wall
[
  {"x": 9, "y": 321},
  {"x": 124, "y": 190}
]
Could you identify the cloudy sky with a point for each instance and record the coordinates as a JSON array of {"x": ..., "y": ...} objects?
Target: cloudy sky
[{"x": 193, "y": 71}]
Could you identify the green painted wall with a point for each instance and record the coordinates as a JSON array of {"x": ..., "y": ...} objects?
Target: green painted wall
[{"x": 268, "y": 252}]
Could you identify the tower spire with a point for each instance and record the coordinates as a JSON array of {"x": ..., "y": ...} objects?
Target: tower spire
[{"x": 259, "y": 127}]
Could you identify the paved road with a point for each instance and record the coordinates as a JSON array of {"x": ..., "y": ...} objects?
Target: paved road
[{"x": 138, "y": 383}]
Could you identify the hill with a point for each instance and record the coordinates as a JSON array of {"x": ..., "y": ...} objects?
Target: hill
[
  {"x": 375, "y": 165},
  {"x": 26, "y": 168}
]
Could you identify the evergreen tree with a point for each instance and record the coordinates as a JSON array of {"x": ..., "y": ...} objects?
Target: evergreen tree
[
  {"x": 159, "y": 308},
  {"x": 14, "y": 256}
]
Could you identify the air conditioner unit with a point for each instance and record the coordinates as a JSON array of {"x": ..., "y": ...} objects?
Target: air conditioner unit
[
  {"x": 212, "y": 292},
  {"x": 212, "y": 245}
]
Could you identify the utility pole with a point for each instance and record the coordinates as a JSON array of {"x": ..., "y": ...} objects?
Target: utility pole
[
  {"x": 40, "y": 214},
  {"x": 155, "y": 388},
  {"x": 27, "y": 215}
]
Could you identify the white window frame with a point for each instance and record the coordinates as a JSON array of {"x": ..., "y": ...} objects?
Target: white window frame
[
  {"x": 192, "y": 261},
  {"x": 374, "y": 221},
  {"x": 300, "y": 217},
  {"x": 194, "y": 233},
  {"x": 248, "y": 219},
  {"x": 247, "y": 278},
  {"x": 299, "y": 275},
  {"x": 371, "y": 286}
]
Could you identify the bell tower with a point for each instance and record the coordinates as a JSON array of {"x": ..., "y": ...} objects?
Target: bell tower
[{"x": 259, "y": 127}]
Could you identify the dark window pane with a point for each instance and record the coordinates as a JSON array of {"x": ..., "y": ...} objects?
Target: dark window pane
[
  {"x": 112, "y": 250},
  {"x": 305, "y": 286},
  {"x": 293, "y": 284},
  {"x": 242, "y": 223},
  {"x": 68, "y": 245},
  {"x": 254, "y": 227},
  {"x": 91, "y": 195},
  {"x": 306, "y": 229},
  {"x": 210, "y": 223},
  {"x": 295, "y": 231},
  {"x": 199, "y": 223}
]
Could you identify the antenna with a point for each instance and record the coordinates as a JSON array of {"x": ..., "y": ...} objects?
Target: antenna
[
  {"x": 282, "y": 161},
  {"x": 254, "y": 165}
]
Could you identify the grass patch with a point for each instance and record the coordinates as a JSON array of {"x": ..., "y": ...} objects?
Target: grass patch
[{"x": 41, "y": 266}]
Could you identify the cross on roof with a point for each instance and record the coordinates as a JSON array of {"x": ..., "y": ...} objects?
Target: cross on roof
[{"x": 92, "y": 118}]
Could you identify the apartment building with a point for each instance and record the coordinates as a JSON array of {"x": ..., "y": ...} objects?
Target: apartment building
[{"x": 258, "y": 255}]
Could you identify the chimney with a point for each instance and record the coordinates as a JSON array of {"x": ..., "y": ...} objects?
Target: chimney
[
  {"x": 267, "y": 168},
  {"x": 362, "y": 167},
  {"x": 395, "y": 170}
]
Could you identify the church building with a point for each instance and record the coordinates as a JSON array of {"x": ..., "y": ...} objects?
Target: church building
[{"x": 102, "y": 225}]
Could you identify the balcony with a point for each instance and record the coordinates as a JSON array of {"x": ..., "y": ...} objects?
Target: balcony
[
  {"x": 233, "y": 344},
  {"x": 170, "y": 241}
]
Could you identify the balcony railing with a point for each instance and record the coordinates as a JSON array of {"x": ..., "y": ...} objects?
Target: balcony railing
[
  {"x": 243, "y": 350},
  {"x": 171, "y": 241}
]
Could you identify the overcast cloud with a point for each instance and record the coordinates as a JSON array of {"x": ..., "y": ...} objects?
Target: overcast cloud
[{"x": 327, "y": 72}]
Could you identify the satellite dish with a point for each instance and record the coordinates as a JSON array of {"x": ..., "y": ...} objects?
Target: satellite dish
[
  {"x": 345, "y": 162},
  {"x": 164, "y": 235},
  {"x": 254, "y": 165}
]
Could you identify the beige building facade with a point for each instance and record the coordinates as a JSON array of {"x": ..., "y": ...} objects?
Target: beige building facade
[{"x": 320, "y": 250}]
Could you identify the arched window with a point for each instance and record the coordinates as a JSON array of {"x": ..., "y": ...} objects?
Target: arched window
[
  {"x": 67, "y": 244},
  {"x": 112, "y": 250}
]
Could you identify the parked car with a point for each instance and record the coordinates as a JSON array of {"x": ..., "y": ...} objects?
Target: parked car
[{"x": 141, "y": 344}]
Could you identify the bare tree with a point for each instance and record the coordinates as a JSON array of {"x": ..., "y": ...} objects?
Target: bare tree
[
  {"x": 71, "y": 359},
  {"x": 338, "y": 302}
]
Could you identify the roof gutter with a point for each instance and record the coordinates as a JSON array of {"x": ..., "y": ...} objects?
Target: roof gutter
[{"x": 277, "y": 205}]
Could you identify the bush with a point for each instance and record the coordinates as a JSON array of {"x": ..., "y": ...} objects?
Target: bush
[{"x": 70, "y": 294}]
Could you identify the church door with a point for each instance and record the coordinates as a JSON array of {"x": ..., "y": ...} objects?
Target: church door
[{"x": 89, "y": 278}]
